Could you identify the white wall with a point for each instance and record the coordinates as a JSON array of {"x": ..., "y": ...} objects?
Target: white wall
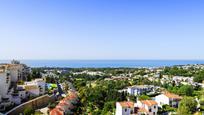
[
  {"x": 4, "y": 83},
  {"x": 41, "y": 83},
  {"x": 118, "y": 109},
  {"x": 162, "y": 100},
  {"x": 154, "y": 110},
  {"x": 141, "y": 105},
  {"x": 34, "y": 92},
  {"x": 122, "y": 111},
  {"x": 14, "y": 74}
]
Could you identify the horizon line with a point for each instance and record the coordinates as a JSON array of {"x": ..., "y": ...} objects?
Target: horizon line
[{"x": 103, "y": 59}]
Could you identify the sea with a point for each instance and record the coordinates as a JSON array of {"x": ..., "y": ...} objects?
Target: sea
[{"x": 105, "y": 63}]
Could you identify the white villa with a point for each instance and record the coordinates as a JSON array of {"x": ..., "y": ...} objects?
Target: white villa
[
  {"x": 144, "y": 107},
  {"x": 124, "y": 108},
  {"x": 37, "y": 84},
  {"x": 168, "y": 99},
  {"x": 34, "y": 88}
]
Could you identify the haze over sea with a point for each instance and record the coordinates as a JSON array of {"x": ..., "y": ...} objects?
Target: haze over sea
[{"x": 105, "y": 63}]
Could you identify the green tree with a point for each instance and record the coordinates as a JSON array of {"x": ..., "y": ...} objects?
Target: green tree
[
  {"x": 186, "y": 90},
  {"x": 199, "y": 77},
  {"x": 187, "y": 106},
  {"x": 36, "y": 73},
  {"x": 202, "y": 104},
  {"x": 144, "y": 97},
  {"x": 108, "y": 106},
  {"x": 167, "y": 108}
]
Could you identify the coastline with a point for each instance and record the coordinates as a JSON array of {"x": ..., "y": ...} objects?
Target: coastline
[{"x": 106, "y": 63}]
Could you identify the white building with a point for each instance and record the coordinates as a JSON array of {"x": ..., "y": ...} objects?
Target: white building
[
  {"x": 5, "y": 80},
  {"x": 139, "y": 89},
  {"x": 124, "y": 108},
  {"x": 21, "y": 92},
  {"x": 183, "y": 80},
  {"x": 145, "y": 107},
  {"x": 33, "y": 90},
  {"x": 17, "y": 71},
  {"x": 9, "y": 75},
  {"x": 168, "y": 99},
  {"x": 40, "y": 83},
  {"x": 35, "y": 87}
]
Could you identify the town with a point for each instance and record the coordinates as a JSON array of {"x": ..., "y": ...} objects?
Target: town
[
  {"x": 24, "y": 90},
  {"x": 176, "y": 90}
]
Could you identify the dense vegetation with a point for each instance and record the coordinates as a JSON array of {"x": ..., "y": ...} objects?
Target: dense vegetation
[
  {"x": 199, "y": 77},
  {"x": 177, "y": 71},
  {"x": 187, "y": 106},
  {"x": 99, "y": 97},
  {"x": 184, "y": 90}
]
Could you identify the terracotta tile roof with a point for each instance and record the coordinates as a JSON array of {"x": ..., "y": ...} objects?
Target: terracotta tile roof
[
  {"x": 56, "y": 111},
  {"x": 61, "y": 107},
  {"x": 64, "y": 101},
  {"x": 149, "y": 102},
  {"x": 63, "y": 104},
  {"x": 173, "y": 96},
  {"x": 127, "y": 104}
]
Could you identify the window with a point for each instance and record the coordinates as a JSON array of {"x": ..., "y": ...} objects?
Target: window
[
  {"x": 170, "y": 102},
  {"x": 125, "y": 110},
  {"x": 7, "y": 80},
  {"x": 150, "y": 110},
  {"x": 155, "y": 107},
  {"x": 131, "y": 112}
]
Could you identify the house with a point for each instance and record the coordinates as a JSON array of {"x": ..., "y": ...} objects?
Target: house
[
  {"x": 168, "y": 99},
  {"x": 139, "y": 89},
  {"x": 39, "y": 83},
  {"x": 144, "y": 107},
  {"x": 147, "y": 107},
  {"x": 124, "y": 108},
  {"x": 65, "y": 106},
  {"x": 33, "y": 90}
]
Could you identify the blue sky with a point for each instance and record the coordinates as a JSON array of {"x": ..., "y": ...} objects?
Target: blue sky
[{"x": 102, "y": 29}]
